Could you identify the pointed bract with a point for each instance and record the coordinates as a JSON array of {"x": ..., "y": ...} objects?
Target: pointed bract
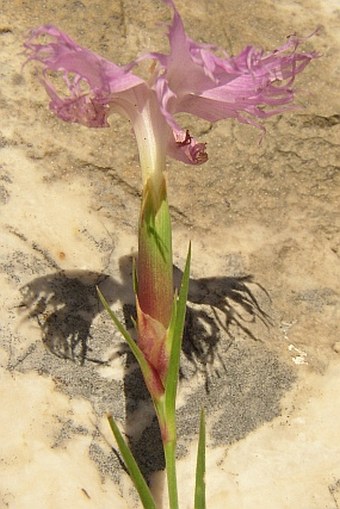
[{"x": 151, "y": 341}]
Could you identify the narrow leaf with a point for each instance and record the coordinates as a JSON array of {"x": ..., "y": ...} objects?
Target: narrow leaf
[
  {"x": 136, "y": 475},
  {"x": 134, "y": 277},
  {"x": 144, "y": 366},
  {"x": 176, "y": 332},
  {"x": 200, "y": 467}
]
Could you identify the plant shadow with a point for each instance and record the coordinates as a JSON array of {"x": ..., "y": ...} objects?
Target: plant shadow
[
  {"x": 65, "y": 303},
  {"x": 220, "y": 307}
]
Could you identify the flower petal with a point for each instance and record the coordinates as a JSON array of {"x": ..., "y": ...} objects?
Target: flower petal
[
  {"x": 93, "y": 83},
  {"x": 250, "y": 86},
  {"x": 191, "y": 79}
]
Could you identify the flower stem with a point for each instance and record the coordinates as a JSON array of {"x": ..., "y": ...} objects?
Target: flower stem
[{"x": 170, "y": 461}]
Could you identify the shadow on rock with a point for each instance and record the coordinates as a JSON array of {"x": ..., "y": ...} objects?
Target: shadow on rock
[
  {"x": 65, "y": 304},
  {"x": 220, "y": 309}
]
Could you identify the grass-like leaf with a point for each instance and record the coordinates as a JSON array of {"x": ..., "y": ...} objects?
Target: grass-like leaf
[
  {"x": 176, "y": 332},
  {"x": 132, "y": 344},
  {"x": 200, "y": 467},
  {"x": 136, "y": 475},
  {"x": 144, "y": 366},
  {"x": 134, "y": 276}
]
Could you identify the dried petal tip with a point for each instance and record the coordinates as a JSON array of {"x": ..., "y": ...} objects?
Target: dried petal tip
[
  {"x": 186, "y": 148},
  {"x": 198, "y": 153}
]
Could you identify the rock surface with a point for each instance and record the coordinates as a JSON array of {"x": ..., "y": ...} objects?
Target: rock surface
[{"x": 261, "y": 349}]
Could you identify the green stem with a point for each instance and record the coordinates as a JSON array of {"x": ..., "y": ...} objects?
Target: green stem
[
  {"x": 167, "y": 424},
  {"x": 160, "y": 314},
  {"x": 170, "y": 461}
]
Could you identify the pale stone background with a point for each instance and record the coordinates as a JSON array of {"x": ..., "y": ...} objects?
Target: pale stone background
[{"x": 262, "y": 345}]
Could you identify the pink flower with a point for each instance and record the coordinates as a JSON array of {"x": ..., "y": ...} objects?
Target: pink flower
[
  {"x": 191, "y": 78},
  {"x": 254, "y": 84}
]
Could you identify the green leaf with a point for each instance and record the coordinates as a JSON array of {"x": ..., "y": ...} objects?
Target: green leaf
[
  {"x": 134, "y": 276},
  {"x": 200, "y": 467},
  {"x": 169, "y": 448},
  {"x": 136, "y": 475},
  {"x": 175, "y": 339},
  {"x": 143, "y": 364}
]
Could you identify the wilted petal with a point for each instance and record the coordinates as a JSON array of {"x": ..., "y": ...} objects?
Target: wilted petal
[
  {"x": 185, "y": 148},
  {"x": 80, "y": 108}
]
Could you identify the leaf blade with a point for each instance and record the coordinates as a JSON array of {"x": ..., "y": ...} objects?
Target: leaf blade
[
  {"x": 144, "y": 366},
  {"x": 136, "y": 475},
  {"x": 200, "y": 499},
  {"x": 176, "y": 330}
]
